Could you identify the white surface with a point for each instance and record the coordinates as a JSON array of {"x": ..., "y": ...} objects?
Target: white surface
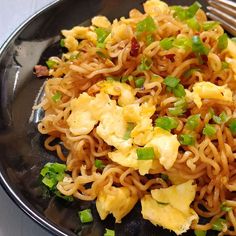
[{"x": 13, "y": 222}]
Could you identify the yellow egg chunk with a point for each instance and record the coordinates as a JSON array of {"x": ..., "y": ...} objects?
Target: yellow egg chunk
[
  {"x": 125, "y": 92},
  {"x": 101, "y": 21},
  {"x": 156, "y": 8},
  {"x": 170, "y": 207},
  {"x": 80, "y": 120},
  {"x": 116, "y": 201},
  {"x": 208, "y": 90},
  {"x": 165, "y": 146}
]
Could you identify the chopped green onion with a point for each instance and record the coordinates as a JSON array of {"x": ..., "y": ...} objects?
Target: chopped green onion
[
  {"x": 190, "y": 72},
  {"x": 226, "y": 208},
  {"x": 51, "y": 64},
  {"x": 208, "y": 25},
  {"x": 147, "y": 25},
  {"x": 183, "y": 43},
  {"x": 145, "y": 153},
  {"x": 49, "y": 182},
  {"x": 224, "y": 65},
  {"x": 101, "y": 35},
  {"x": 139, "y": 82},
  {"x": 127, "y": 78},
  {"x": 232, "y": 125},
  {"x": 149, "y": 39},
  {"x": 186, "y": 13},
  {"x": 187, "y": 139},
  {"x": 198, "y": 46},
  {"x": 165, "y": 177},
  {"x": 171, "y": 81},
  {"x": 223, "y": 41},
  {"x": 193, "y": 23},
  {"x": 217, "y": 119},
  {"x": 179, "y": 107},
  {"x": 167, "y": 123},
  {"x": 179, "y": 91},
  {"x": 219, "y": 224},
  {"x": 57, "y": 96},
  {"x": 109, "y": 232},
  {"x": 99, "y": 164},
  {"x": 130, "y": 127},
  {"x": 223, "y": 116},
  {"x": 211, "y": 111},
  {"x": 85, "y": 216},
  {"x": 74, "y": 56},
  {"x": 162, "y": 203},
  {"x": 209, "y": 130},
  {"x": 193, "y": 122},
  {"x": 62, "y": 43},
  {"x": 167, "y": 43},
  {"x": 200, "y": 232},
  {"x": 146, "y": 64}
]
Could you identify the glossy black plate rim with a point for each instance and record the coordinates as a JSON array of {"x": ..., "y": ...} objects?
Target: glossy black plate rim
[{"x": 36, "y": 216}]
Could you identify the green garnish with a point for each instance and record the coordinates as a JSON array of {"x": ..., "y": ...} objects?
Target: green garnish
[
  {"x": 109, "y": 232},
  {"x": 226, "y": 208},
  {"x": 167, "y": 43},
  {"x": 193, "y": 23},
  {"x": 127, "y": 78},
  {"x": 179, "y": 108},
  {"x": 130, "y": 127},
  {"x": 62, "y": 43},
  {"x": 147, "y": 25},
  {"x": 99, "y": 164},
  {"x": 149, "y": 39},
  {"x": 208, "y": 25},
  {"x": 85, "y": 216},
  {"x": 51, "y": 64},
  {"x": 139, "y": 82},
  {"x": 223, "y": 41},
  {"x": 171, "y": 81},
  {"x": 182, "y": 42},
  {"x": 74, "y": 56},
  {"x": 167, "y": 123},
  {"x": 190, "y": 72},
  {"x": 198, "y": 46},
  {"x": 101, "y": 36},
  {"x": 146, "y": 64},
  {"x": 232, "y": 125},
  {"x": 219, "y": 224},
  {"x": 221, "y": 118},
  {"x": 57, "y": 96},
  {"x": 145, "y": 153},
  {"x": 193, "y": 122},
  {"x": 174, "y": 86},
  {"x": 186, "y": 13},
  {"x": 200, "y": 232},
  {"x": 187, "y": 139},
  {"x": 179, "y": 91},
  {"x": 209, "y": 130}
]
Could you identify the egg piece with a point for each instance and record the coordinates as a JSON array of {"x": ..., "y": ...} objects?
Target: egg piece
[
  {"x": 165, "y": 146},
  {"x": 81, "y": 120},
  {"x": 156, "y": 8},
  {"x": 112, "y": 128},
  {"x": 117, "y": 201},
  {"x": 208, "y": 90},
  {"x": 101, "y": 21},
  {"x": 130, "y": 159},
  {"x": 170, "y": 207},
  {"x": 71, "y": 43},
  {"x": 125, "y": 92},
  {"x": 231, "y": 56}
]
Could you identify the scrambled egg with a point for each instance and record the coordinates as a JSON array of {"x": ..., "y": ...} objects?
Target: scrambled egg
[
  {"x": 101, "y": 21},
  {"x": 170, "y": 207},
  {"x": 208, "y": 90},
  {"x": 117, "y": 201},
  {"x": 156, "y": 8},
  {"x": 231, "y": 58}
]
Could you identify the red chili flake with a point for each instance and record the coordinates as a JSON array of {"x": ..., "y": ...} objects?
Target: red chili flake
[
  {"x": 41, "y": 71},
  {"x": 134, "y": 47},
  {"x": 171, "y": 57},
  {"x": 204, "y": 58}
]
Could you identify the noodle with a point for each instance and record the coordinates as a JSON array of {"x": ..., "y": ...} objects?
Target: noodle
[{"x": 209, "y": 162}]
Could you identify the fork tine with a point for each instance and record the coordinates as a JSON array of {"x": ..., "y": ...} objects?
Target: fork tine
[
  {"x": 228, "y": 3},
  {"x": 225, "y": 8}
]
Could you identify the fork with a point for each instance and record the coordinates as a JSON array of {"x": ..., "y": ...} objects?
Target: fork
[{"x": 223, "y": 11}]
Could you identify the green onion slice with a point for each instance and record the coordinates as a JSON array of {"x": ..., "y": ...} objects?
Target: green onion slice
[
  {"x": 62, "y": 43},
  {"x": 189, "y": 72},
  {"x": 179, "y": 91},
  {"x": 232, "y": 125},
  {"x": 209, "y": 130},
  {"x": 109, "y": 232},
  {"x": 198, "y": 46},
  {"x": 200, "y": 232},
  {"x": 223, "y": 42},
  {"x": 85, "y": 216},
  {"x": 147, "y": 25},
  {"x": 99, "y": 164},
  {"x": 101, "y": 35},
  {"x": 193, "y": 23},
  {"x": 187, "y": 139},
  {"x": 146, "y": 64},
  {"x": 171, "y": 81},
  {"x": 167, "y": 43},
  {"x": 139, "y": 82},
  {"x": 149, "y": 39},
  {"x": 57, "y": 96},
  {"x": 193, "y": 122},
  {"x": 167, "y": 123},
  {"x": 226, "y": 208},
  {"x": 218, "y": 225},
  {"x": 183, "y": 43},
  {"x": 145, "y": 153},
  {"x": 209, "y": 25},
  {"x": 51, "y": 64}
]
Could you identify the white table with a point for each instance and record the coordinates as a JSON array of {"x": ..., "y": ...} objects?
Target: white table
[{"x": 13, "y": 222}]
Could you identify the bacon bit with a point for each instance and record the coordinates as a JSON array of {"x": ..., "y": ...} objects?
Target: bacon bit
[
  {"x": 134, "y": 47},
  {"x": 41, "y": 71},
  {"x": 171, "y": 57}
]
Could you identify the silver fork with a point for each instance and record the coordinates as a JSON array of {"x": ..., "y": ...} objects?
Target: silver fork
[{"x": 223, "y": 11}]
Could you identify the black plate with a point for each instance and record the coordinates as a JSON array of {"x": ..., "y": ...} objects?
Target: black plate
[{"x": 22, "y": 152}]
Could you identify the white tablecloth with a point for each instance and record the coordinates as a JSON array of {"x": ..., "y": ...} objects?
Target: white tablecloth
[{"x": 13, "y": 222}]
